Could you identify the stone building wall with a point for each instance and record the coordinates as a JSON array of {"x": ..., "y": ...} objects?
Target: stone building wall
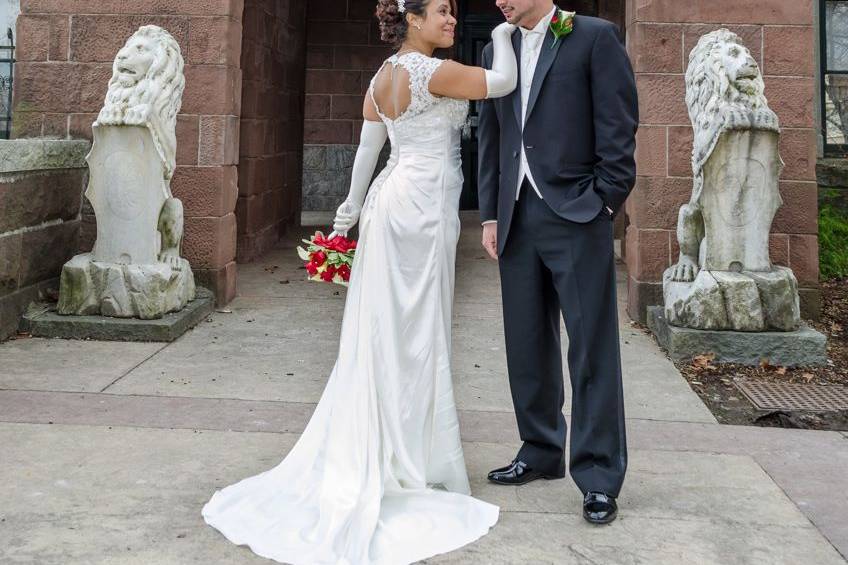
[
  {"x": 271, "y": 148},
  {"x": 41, "y": 187},
  {"x": 65, "y": 53},
  {"x": 661, "y": 33},
  {"x": 343, "y": 52}
]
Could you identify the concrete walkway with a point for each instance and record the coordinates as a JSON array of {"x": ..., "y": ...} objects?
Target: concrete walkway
[{"x": 109, "y": 450}]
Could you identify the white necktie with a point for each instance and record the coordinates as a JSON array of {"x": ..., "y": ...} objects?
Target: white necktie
[
  {"x": 529, "y": 55},
  {"x": 531, "y": 42}
]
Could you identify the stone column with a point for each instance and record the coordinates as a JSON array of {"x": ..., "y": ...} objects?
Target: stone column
[
  {"x": 660, "y": 35},
  {"x": 271, "y": 150}
]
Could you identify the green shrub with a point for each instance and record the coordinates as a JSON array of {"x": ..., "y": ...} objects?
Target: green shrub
[{"x": 833, "y": 242}]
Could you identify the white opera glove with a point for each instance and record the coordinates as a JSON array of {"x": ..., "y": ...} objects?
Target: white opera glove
[
  {"x": 371, "y": 142},
  {"x": 502, "y": 78}
]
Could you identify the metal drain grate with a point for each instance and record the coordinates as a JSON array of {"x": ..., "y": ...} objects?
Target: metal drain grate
[{"x": 781, "y": 396}]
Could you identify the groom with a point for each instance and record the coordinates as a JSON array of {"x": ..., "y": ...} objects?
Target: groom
[{"x": 556, "y": 165}]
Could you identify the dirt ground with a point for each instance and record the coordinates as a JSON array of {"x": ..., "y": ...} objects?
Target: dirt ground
[{"x": 714, "y": 383}]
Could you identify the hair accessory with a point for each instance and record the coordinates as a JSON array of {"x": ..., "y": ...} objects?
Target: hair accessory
[{"x": 401, "y": 6}]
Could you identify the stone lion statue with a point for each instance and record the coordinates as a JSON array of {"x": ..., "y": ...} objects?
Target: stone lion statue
[
  {"x": 136, "y": 269},
  {"x": 724, "y": 279},
  {"x": 724, "y": 92},
  {"x": 146, "y": 89}
]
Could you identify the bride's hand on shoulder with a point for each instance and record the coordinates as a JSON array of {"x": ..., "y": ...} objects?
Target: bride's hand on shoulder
[
  {"x": 465, "y": 82},
  {"x": 505, "y": 28}
]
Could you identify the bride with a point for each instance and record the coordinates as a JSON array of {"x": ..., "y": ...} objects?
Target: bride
[{"x": 378, "y": 475}]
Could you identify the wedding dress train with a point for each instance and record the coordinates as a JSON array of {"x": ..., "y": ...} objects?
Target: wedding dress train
[{"x": 357, "y": 488}]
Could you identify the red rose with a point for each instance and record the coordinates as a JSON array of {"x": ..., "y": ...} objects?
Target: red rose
[
  {"x": 350, "y": 245},
  {"x": 327, "y": 276},
  {"x": 312, "y": 269},
  {"x": 340, "y": 244},
  {"x": 555, "y": 19},
  {"x": 344, "y": 272},
  {"x": 318, "y": 258}
]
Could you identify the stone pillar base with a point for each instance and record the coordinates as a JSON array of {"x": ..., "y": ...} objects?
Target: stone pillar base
[
  {"x": 803, "y": 347},
  {"x": 724, "y": 300},
  {"x": 148, "y": 292},
  {"x": 42, "y": 320}
]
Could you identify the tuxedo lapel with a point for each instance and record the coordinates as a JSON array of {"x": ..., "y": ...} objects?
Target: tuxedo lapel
[
  {"x": 516, "y": 94},
  {"x": 547, "y": 55}
]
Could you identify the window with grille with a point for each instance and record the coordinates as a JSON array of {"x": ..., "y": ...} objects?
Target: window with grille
[
  {"x": 834, "y": 75},
  {"x": 7, "y": 74}
]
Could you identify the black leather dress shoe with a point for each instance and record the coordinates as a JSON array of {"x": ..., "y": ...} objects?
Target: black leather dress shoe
[
  {"x": 598, "y": 508},
  {"x": 517, "y": 473}
]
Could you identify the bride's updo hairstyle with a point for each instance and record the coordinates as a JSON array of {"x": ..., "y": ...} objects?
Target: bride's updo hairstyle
[{"x": 393, "y": 24}]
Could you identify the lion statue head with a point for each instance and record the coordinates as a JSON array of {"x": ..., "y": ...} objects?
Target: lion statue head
[
  {"x": 724, "y": 91},
  {"x": 146, "y": 89}
]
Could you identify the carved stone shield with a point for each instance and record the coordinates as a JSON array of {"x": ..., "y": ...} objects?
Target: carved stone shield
[
  {"x": 739, "y": 200},
  {"x": 127, "y": 190}
]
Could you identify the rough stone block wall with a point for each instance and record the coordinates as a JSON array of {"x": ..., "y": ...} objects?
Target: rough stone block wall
[
  {"x": 41, "y": 186},
  {"x": 65, "y": 53},
  {"x": 832, "y": 177},
  {"x": 271, "y": 153},
  {"x": 344, "y": 51},
  {"x": 781, "y": 37}
]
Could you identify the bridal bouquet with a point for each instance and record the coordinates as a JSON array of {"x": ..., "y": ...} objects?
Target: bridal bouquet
[{"x": 328, "y": 260}]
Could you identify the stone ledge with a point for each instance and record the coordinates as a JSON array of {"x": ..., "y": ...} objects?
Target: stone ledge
[
  {"x": 802, "y": 347},
  {"x": 41, "y": 320},
  {"x": 21, "y": 155},
  {"x": 832, "y": 173},
  {"x": 14, "y": 304}
]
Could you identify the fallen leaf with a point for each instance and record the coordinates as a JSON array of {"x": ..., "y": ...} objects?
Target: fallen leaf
[{"x": 703, "y": 361}]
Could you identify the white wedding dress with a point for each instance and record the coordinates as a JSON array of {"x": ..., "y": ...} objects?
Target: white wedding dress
[{"x": 356, "y": 489}]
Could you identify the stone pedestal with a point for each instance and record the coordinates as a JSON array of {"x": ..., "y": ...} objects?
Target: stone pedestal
[
  {"x": 42, "y": 320},
  {"x": 802, "y": 347},
  {"x": 725, "y": 300},
  {"x": 148, "y": 292}
]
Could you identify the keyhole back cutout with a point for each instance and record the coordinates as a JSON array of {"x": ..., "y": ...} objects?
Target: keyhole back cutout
[{"x": 391, "y": 92}]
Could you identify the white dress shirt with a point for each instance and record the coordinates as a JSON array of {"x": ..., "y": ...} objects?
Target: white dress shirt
[{"x": 532, "y": 41}]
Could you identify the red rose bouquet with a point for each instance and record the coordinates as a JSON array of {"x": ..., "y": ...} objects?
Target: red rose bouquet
[{"x": 328, "y": 259}]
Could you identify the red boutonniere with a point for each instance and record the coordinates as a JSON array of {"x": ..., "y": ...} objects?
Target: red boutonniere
[{"x": 561, "y": 25}]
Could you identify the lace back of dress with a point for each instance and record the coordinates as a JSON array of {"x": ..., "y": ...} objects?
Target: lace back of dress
[{"x": 400, "y": 89}]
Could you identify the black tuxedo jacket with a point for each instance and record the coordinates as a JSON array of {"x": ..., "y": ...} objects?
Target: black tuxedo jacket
[{"x": 579, "y": 134}]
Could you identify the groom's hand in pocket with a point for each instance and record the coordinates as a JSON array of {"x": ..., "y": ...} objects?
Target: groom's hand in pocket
[{"x": 490, "y": 239}]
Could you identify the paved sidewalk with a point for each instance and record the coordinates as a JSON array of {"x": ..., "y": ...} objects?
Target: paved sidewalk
[{"x": 109, "y": 450}]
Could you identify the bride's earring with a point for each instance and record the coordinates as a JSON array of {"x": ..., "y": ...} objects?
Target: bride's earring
[{"x": 417, "y": 26}]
